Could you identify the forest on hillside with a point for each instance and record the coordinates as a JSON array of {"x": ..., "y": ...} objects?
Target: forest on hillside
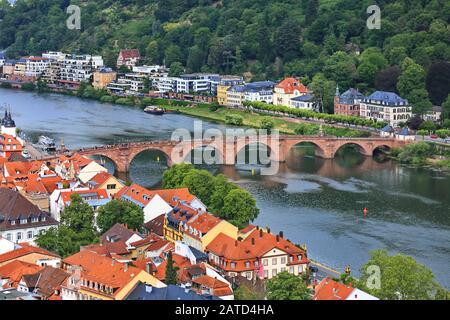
[{"x": 324, "y": 42}]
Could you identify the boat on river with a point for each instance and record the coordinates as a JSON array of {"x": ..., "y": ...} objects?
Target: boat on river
[{"x": 154, "y": 110}]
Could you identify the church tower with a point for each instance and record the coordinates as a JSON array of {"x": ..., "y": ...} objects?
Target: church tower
[{"x": 8, "y": 125}]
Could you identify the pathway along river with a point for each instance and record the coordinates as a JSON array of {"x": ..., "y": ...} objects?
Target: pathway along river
[{"x": 314, "y": 201}]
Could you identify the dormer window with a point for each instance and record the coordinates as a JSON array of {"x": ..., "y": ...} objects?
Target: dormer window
[
  {"x": 23, "y": 221},
  {"x": 34, "y": 220},
  {"x": 13, "y": 222}
]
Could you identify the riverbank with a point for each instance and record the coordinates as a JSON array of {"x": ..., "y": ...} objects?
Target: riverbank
[
  {"x": 255, "y": 118},
  {"x": 423, "y": 154}
]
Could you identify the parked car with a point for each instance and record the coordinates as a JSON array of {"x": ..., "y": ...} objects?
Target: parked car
[{"x": 434, "y": 136}]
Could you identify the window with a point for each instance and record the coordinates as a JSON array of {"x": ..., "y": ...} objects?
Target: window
[
  {"x": 247, "y": 264},
  {"x": 233, "y": 265},
  {"x": 34, "y": 220},
  {"x": 274, "y": 261},
  {"x": 111, "y": 187},
  {"x": 9, "y": 237},
  {"x": 274, "y": 272},
  {"x": 283, "y": 260},
  {"x": 266, "y": 274},
  {"x": 265, "y": 262},
  {"x": 23, "y": 221},
  {"x": 30, "y": 234},
  {"x": 19, "y": 236},
  {"x": 13, "y": 222},
  {"x": 283, "y": 269},
  {"x": 291, "y": 270}
]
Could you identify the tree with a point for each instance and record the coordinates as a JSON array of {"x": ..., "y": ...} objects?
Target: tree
[
  {"x": 418, "y": 98},
  {"x": 200, "y": 183},
  {"x": 401, "y": 278},
  {"x": 438, "y": 82},
  {"x": 412, "y": 78},
  {"x": 78, "y": 215},
  {"x": 429, "y": 126},
  {"x": 176, "y": 69},
  {"x": 239, "y": 207},
  {"x": 340, "y": 67},
  {"x": 267, "y": 123},
  {"x": 422, "y": 133},
  {"x": 221, "y": 188},
  {"x": 174, "y": 177},
  {"x": 446, "y": 108},
  {"x": 324, "y": 91},
  {"x": 171, "y": 271},
  {"x": 117, "y": 211},
  {"x": 286, "y": 286}
]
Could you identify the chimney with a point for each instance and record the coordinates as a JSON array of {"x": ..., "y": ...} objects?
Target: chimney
[
  {"x": 278, "y": 238},
  {"x": 281, "y": 234},
  {"x": 125, "y": 267},
  {"x": 268, "y": 230},
  {"x": 260, "y": 233},
  {"x": 236, "y": 243},
  {"x": 253, "y": 241}
]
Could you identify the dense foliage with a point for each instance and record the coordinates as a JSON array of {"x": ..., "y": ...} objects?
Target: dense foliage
[
  {"x": 401, "y": 278},
  {"x": 117, "y": 211},
  {"x": 319, "y": 41},
  {"x": 76, "y": 229},
  {"x": 223, "y": 198},
  {"x": 286, "y": 286}
]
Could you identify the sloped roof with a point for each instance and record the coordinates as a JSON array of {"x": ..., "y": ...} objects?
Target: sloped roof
[
  {"x": 388, "y": 98},
  {"x": 23, "y": 251},
  {"x": 290, "y": 85},
  {"x": 171, "y": 292},
  {"x": 14, "y": 271},
  {"x": 328, "y": 289}
]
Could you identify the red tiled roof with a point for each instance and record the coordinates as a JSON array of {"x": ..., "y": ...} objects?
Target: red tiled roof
[
  {"x": 143, "y": 196},
  {"x": 130, "y": 53},
  {"x": 328, "y": 289},
  {"x": 25, "y": 250},
  {"x": 178, "y": 261},
  {"x": 203, "y": 223},
  {"x": 253, "y": 247},
  {"x": 290, "y": 85},
  {"x": 100, "y": 193},
  {"x": 14, "y": 271},
  {"x": 102, "y": 269},
  {"x": 101, "y": 178}
]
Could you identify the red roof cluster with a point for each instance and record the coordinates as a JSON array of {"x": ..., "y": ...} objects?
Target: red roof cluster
[{"x": 290, "y": 85}]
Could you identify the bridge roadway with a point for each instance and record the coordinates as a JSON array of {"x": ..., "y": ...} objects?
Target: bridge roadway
[{"x": 227, "y": 149}]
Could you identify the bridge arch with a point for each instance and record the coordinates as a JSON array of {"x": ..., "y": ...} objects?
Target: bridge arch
[
  {"x": 319, "y": 150},
  {"x": 383, "y": 146},
  {"x": 362, "y": 148},
  {"x": 117, "y": 166},
  {"x": 241, "y": 156},
  {"x": 167, "y": 157},
  {"x": 211, "y": 154}
]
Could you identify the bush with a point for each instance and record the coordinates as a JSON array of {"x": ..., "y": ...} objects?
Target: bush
[
  {"x": 234, "y": 119},
  {"x": 28, "y": 86},
  {"x": 125, "y": 101},
  {"x": 443, "y": 133},
  {"x": 428, "y": 125},
  {"x": 107, "y": 99}
]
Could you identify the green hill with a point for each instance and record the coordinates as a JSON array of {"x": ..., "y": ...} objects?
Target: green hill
[{"x": 258, "y": 38}]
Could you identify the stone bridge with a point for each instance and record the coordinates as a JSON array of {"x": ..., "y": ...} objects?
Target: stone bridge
[{"x": 226, "y": 151}]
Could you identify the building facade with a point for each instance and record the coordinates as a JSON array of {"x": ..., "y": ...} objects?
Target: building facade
[
  {"x": 386, "y": 106},
  {"x": 348, "y": 103}
]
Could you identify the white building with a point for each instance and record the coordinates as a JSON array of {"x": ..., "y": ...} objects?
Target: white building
[
  {"x": 306, "y": 102},
  {"x": 78, "y": 68},
  {"x": 20, "y": 220},
  {"x": 35, "y": 66},
  {"x": 261, "y": 91},
  {"x": 386, "y": 106}
]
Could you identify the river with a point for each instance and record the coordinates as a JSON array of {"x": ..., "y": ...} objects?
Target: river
[{"x": 314, "y": 201}]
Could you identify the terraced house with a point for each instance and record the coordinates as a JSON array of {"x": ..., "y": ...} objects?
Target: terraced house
[{"x": 257, "y": 254}]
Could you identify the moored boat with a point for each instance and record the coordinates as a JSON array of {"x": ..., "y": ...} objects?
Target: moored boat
[{"x": 154, "y": 110}]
